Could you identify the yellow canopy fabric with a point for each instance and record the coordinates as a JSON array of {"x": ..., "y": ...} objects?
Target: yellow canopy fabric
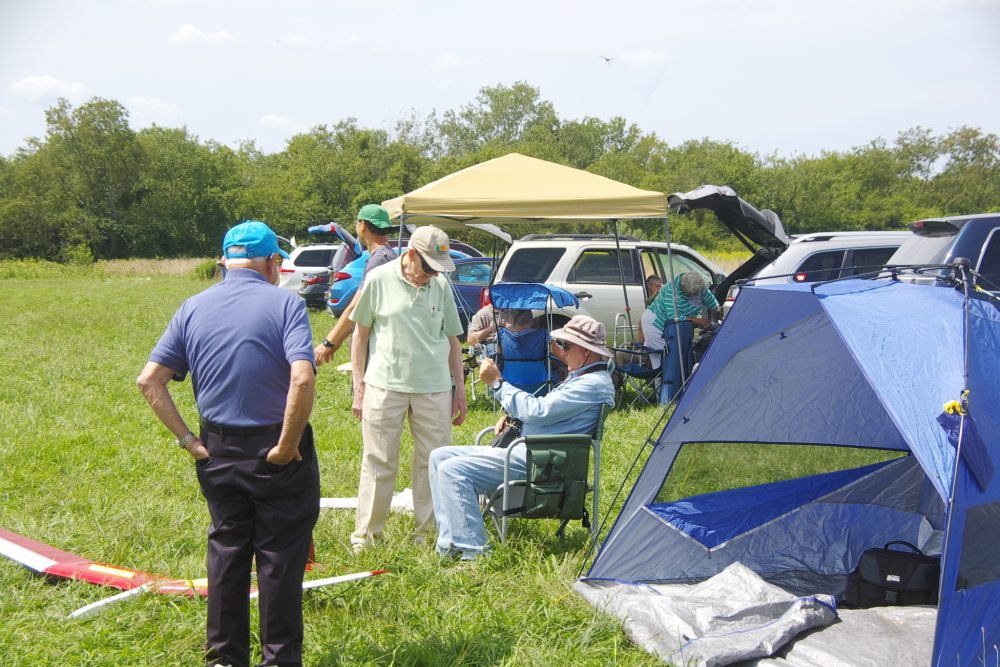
[{"x": 518, "y": 189}]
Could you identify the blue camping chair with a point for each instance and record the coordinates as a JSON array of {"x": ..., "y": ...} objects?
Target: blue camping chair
[
  {"x": 641, "y": 376},
  {"x": 523, "y": 357},
  {"x": 678, "y": 358}
]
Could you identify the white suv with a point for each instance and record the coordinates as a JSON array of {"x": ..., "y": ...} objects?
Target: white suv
[
  {"x": 588, "y": 266},
  {"x": 826, "y": 256},
  {"x": 309, "y": 259}
]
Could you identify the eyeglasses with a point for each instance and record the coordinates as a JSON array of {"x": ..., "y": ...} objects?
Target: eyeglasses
[
  {"x": 425, "y": 266},
  {"x": 561, "y": 344}
]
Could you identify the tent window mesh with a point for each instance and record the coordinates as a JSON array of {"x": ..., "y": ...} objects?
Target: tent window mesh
[{"x": 980, "y": 545}]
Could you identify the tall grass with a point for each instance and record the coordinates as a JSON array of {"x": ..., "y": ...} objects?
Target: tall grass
[{"x": 86, "y": 467}]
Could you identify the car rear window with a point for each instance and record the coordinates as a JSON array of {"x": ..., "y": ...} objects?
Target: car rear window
[
  {"x": 315, "y": 257},
  {"x": 531, "y": 265},
  {"x": 924, "y": 249}
]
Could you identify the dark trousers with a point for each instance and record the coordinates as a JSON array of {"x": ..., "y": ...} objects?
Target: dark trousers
[{"x": 260, "y": 510}]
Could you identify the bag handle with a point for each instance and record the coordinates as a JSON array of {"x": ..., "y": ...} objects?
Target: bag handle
[{"x": 906, "y": 544}]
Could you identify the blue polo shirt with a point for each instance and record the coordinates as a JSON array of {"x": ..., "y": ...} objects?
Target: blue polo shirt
[{"x": 238, "y": 340}]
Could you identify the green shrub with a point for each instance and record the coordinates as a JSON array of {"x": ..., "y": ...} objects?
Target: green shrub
[
  {"x": 78, "y": 255},
  {"x": 207, "y": 270}
]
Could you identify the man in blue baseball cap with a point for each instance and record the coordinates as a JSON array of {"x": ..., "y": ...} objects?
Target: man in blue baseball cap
[
  {"x": 255, "y": 240},
  {"x": 248, "y": 347}
]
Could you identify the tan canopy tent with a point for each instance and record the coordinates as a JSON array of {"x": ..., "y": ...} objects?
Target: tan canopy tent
[
  {"x": 520, "y": 189},
  {"x": 516, "y": 189}
]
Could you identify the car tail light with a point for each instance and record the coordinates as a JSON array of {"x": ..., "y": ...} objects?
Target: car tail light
[
  {"x": 800, "y": 277},
  {"x": 289, "y": 270},
  {"x": 312, "y": 280},
  {"x": 340, "y": 275},
  {"x": 484, "y": 297},
  {"x": 733, "y": 291}
]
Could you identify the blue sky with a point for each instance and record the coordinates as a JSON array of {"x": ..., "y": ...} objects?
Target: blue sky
[{"x": 785, "y": 76}]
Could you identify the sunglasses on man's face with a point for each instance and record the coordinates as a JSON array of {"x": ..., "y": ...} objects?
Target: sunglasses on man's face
[
  {"x": 425, "y": 266},
  {"x": 561, "y": 344}
]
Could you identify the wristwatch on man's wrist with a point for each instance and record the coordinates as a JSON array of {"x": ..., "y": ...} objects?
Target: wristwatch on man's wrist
[
  {"x": 183, "y": 442},
  {"x": 497, "y": 384},
  {"x": 327, "y": 343}
]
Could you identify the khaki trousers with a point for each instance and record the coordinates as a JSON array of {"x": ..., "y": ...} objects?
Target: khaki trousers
[{"x": 383, "y": 412}]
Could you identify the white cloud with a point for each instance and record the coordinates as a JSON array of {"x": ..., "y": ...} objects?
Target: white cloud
[
  {"x": 36, "y": 88},
  {"x": 444, "y": 83},
  {"x": 6, "y": 112},
  {"x": 271, "y": 120},
  {"x": 446, "y": 62},
  {"x": 287, "y": 126},
  {"x": 293, "y": 40},
  {"x": 190, "y": 35},
  {"x": 643, "y": 59},
  {"x": 153, "y": 109}
]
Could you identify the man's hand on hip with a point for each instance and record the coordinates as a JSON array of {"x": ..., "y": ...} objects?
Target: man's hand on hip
[
  {"x": 278, "y": 457},
  {"x": 197, "y": 449}
]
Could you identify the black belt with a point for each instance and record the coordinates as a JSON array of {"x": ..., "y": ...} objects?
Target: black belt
[{"x": 240, "y": 431}]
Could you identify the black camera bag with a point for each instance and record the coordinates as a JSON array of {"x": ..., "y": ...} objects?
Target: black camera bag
[{"x": 893, "y": 578}]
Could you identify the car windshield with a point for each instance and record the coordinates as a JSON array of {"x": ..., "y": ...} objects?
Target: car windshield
[
  {"x": 317, "y": 257},
  {"x": 924, "y": 249}
]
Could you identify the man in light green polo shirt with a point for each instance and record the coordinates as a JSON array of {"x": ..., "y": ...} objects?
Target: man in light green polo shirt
[{"x": 408, "y": 323}]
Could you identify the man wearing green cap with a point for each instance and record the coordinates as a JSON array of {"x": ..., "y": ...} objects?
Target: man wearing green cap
[{"x": 372, "y": 229}]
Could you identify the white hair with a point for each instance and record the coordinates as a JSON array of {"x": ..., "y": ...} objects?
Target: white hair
[
  {"x": 692, "y": 284},
  {"x": 244, "y": 262}
]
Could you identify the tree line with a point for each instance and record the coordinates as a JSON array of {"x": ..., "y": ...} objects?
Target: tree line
[{"x": 94, "y": 188}]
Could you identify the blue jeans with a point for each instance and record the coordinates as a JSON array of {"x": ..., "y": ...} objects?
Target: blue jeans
[{"x": 458, "y": 476}]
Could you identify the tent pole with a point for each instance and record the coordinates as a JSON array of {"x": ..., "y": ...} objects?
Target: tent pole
[
  {"x": 621, "y": 272},
  {"x": 402, "y": 224},
  {"x": 670, "y": 271}
]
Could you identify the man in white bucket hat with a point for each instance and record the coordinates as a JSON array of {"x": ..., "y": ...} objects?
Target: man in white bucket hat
[{"x": 460, "y": 474}]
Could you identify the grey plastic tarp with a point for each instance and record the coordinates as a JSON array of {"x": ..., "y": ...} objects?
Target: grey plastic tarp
[
  {"x": 876, "y": 637},
  {"x": 733, "y": 616}
]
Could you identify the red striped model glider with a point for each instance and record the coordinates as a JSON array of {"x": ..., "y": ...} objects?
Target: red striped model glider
[{"x": 48, "y": 560}]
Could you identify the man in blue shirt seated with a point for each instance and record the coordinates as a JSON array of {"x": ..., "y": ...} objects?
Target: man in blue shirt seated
[{"x": 460, "y": 474}]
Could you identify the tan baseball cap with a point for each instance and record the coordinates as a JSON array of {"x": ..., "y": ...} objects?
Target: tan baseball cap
[{"x": 432, "y": 244}]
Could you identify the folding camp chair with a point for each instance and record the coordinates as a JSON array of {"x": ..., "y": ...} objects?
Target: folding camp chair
[
  {"x": 642, "y": 372},
  {"x": 524, "y": 360},
  {"x": 523, "y": 357},
  {"x": 555, "y": 486},
  {"x": 678, "y": 358}
]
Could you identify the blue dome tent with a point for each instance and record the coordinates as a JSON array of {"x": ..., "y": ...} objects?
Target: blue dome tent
[{"x": 853, "y": 363}]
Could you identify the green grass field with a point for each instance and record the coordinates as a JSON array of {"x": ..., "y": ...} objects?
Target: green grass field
[{"x": 86, "y": 467}]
